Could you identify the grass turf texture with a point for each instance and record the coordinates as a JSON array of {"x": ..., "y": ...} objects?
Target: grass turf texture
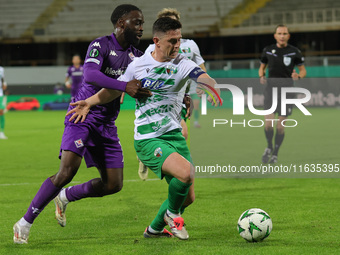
[{"x": 304, "y": 211}]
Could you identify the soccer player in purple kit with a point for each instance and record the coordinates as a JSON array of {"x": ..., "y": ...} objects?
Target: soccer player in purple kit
[
  {"x": 75, "y": 74},
  {"x": 95, "y": 139}
]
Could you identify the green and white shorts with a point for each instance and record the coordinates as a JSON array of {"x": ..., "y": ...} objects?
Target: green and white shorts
[{"x": 154, "y": 151}]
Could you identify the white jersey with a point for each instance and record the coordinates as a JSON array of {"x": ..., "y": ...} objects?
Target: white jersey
[
  {"x": 2, "y": 77},
  {"x": 159, "y": 113}
]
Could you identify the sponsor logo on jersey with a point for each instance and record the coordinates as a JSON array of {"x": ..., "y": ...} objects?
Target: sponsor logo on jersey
[
  {"x": 184, "y": 50},
  {"x": 165, "y": 70},
  {"x": 79, "y": 143},
  {"x": 94, "y": 53},
  {"x": 152, "y": 84},
  {"x": 287, "y": 60},
  {"x": 131, "y": 56},
  {"x": 96, "y": 44},
  {"x": 113, "y": 72},
  {"x": 97, "y": 61},
  {"x": 158, "y": 152},
  {"x": 113, "y": 53}
]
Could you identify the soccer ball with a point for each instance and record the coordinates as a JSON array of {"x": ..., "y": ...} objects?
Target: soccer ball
[{"x": 254, "y": 225}]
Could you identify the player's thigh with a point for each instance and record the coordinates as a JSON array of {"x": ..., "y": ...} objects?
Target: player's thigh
[
  {"x": 153, "y": 152},
  {"x": 178, "y": 167}
]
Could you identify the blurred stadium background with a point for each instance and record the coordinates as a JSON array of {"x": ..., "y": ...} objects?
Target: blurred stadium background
[{"x": 38, "y": 38}]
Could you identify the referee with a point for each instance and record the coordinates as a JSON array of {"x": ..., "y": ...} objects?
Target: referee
[{"x": 280, "y": 60}]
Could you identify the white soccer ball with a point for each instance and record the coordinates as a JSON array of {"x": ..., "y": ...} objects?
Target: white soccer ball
[{"x": 254, "y": 225}]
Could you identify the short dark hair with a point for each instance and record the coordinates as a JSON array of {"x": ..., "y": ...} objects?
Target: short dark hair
[
  {"x": 281, "y": 25},
  {"x": 121, "y": 10},
  {"x": 165, "y": 24}
]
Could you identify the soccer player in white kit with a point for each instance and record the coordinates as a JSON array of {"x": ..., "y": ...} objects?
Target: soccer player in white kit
[{"x": 189, "y": 49}]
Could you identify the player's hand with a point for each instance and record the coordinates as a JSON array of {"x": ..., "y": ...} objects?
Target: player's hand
[
  {"x": 295, "y": 75},
  {"x": 263, "y": 80},
  {"x": 199, "y": 90},
  {"x": 188, "y": 101},
  {"x": 135, "y": 90},
  {"x": 215, "y": 102},
  {"x": 68, "y": 84},
  {"x": 80, "y": 111}
]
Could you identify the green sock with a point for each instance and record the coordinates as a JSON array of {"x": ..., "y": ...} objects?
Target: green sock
[
  {"x": 2, "y": 122},
  {"x": 196, "y": 115},
  {"x": 182, "y": 209},
  {"x": 158, "y": 223},
  {"x": 178, "y": 192}
]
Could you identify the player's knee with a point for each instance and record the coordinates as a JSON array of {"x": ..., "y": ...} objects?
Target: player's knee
[
  {"x": 280, "y": 129},
  {"x": 114, "y": 188},
  {"x": 268, "y": 126},
  {"x": 64, "y": 176},
  {"x": 61, "y": 179},
  {"x": 187, "y": 177}
]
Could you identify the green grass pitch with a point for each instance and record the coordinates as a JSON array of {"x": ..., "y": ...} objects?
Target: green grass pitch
[{"x": 304, "y": 211}]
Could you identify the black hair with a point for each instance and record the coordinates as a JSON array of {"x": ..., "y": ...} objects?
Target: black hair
[
  {"x": 121, "y": 10},
  {"x": 165, "y": 24}
]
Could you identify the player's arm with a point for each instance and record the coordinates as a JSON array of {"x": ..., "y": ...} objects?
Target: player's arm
[
  {"x": 95, "y": 77},
  {"x": 302, "y": 73},
  {"x": 203, "y": 67},
  {"x": 82, "y": 107},
  {"x": 95, "y": 57},
  {"x": 205, "y": 82},
  {"x": 106, "y": 95},
  {"x": 67, "y": 79},
  {"x": 262, "y": 73}
]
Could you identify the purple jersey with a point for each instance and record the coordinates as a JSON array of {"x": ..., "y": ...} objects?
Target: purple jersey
[
  {"x": 106, "y": 55},
  {"x": 76, "y": 75}
]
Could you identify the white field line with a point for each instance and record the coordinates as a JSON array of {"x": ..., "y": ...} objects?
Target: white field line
[{"x": 74, "y": 182}]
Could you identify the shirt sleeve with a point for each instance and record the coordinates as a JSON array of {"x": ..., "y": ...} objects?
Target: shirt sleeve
[
  {"x": 197, "y": 58},
  {"x": 68, "y": 72},
  {"x": 188, "y": 66},
  {"x": 95, "y": 56},
  {"x": 264, "y": 59},
  {"x": 299, "y": 59}
]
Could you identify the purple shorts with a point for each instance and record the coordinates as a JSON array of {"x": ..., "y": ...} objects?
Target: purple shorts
[{"x": 97, "y": 143}]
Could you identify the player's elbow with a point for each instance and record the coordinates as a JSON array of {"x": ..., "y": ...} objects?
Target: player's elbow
[{"x": 90, "y": 75}]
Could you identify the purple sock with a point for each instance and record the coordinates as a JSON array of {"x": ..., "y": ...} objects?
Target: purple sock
[
  {"x": 80, "y": 191},
  {"x": 45, "y": 194}
]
